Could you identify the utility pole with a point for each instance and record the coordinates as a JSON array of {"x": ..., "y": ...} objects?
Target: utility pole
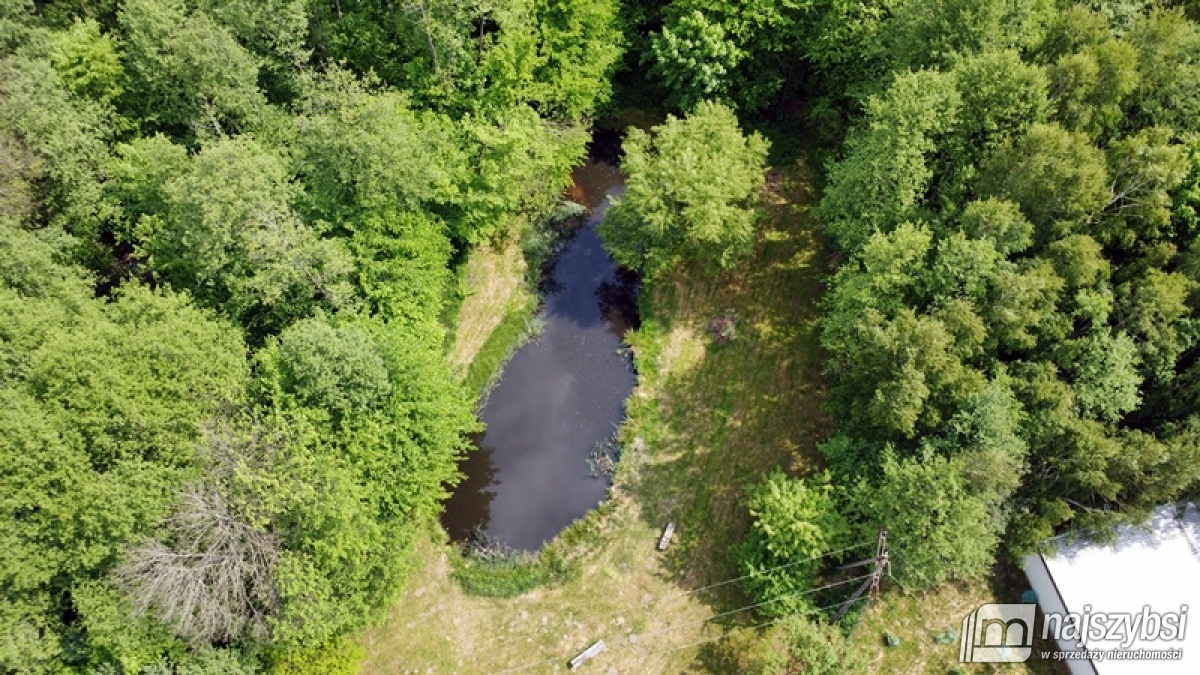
[{"x": 882, "y": 564}]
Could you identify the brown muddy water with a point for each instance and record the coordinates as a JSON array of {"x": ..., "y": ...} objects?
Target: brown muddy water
[{"x": 560, "y": 399}]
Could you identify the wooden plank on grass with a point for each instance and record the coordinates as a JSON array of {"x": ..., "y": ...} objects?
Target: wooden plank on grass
[
  {"x": 666, "y": 537},
  {"x": 587, "y": 654}
]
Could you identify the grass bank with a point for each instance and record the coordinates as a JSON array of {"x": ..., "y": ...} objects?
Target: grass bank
[
  {"x": 705, "y": 422},
  {"x": 497, "y": 309}
]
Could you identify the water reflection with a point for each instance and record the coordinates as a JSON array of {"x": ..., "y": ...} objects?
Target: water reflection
[
  {"x": 559, "y": 397},
  {"x": 472, "y": 500}
]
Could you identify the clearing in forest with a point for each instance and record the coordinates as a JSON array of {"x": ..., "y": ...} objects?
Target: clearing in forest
[{"x": 706, "y": 421}]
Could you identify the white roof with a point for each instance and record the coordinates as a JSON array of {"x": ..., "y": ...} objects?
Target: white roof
[{"x": 1157, "y": 566}]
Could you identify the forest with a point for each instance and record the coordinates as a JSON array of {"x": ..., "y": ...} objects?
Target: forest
[{"x": 233, "y": 242}]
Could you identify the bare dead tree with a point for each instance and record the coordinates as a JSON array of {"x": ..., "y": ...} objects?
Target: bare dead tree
[{"x": 212, "y": 577}]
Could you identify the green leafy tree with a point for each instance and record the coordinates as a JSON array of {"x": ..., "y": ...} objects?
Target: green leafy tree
[
  {"x": 1153, "y": 309},
  {"x": 920, "y": 33},
  {"x": 335, "y": 369},
  {"x": 1107, "y": 377},
  {"x": 230, "y": 236},
  {"x": 137, "y": 179},
  {"x": 694, "y": 59},
  {"x": 581, "y": 45},
  {"x": 187, "y": 73},
  {"x": 1000, "y": 222},
  {"x": 1023, "y": 300},
  {"x": 67, "y": 134},
  {"x": 1168, "y": 90},
  {"x": 1090, "y": 86},
  {"x": 103, "y": 407},
  {"x": 692, "y": 192},
  {"x": 1004, "y": 96},
  {"x": 274, "y": 30},
  {"x": 1146, "y": 168},
  {"x": 937, "y": 530},
  {"x": 885, "y": 173},
  {"x": 799, "y": 645},
  {"x": 362, "y": 151},
  {"x": 796, "y": 522},
  {"x": 375, "y": 424},
  {"x": 1059, "y": 178},
  {"x": 88, "y": 62}
]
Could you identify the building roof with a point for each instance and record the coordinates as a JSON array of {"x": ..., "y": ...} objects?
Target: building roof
[{"x": 1156, "y": 566}]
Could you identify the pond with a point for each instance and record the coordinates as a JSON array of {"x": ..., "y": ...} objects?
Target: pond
[{"x": 535, "y": 468}]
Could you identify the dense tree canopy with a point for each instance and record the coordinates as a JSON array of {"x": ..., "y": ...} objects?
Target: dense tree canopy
[
  {"x": 228, "y": 231},
  {"x": 1014, "y": 307},
  {"x": 692, "y": 192}
]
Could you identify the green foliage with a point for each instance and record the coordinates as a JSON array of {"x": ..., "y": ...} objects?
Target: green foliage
[
  {"x": 1146, "y": 167},
  {"x": 340, "y": 658},
  {"x": 694, "y": 59},
  {"x": 186, "y": 72},
  {"x": 692, "y": 192},
  {"x": 1012, "y": 319},
  {"x": 276, "y": 31},
  {"x": 1004, "y": 96},
  {"x": 88, "y": 62},
  {"x": 580, "y": 45},
  {"x": 1090, "y": 85},
  {"x": 213, "y": 152},
  {"x": 467, "y": 57},
  {"x": 359, "y": 151},
  {"x": 885, "y": 172},
  {"x": 335, "y": 369},
  {"x": 137, "y": 178},
  {"x": 1153, "y": 309},
  {"x": 103, "y": 406},
  {"x": 1057, "y": 177},
  {"x": 1107, "y": 377},
  {"x": 800, "y": 645},
  {"x": 920, "y": 33},
  {"x": 508, "y": 578},
  {"x": 796, "y": 522},
  {"x": 1168, "y": 91},
  {"x": 230, "y": 236},
  {"x": 1000, "y": 222},
  {"x": 518, "y": 327},
  {"x": 937, "y": 529},
  {"x": 65, "y": 139},
  {"x": 519, "y": 165}
]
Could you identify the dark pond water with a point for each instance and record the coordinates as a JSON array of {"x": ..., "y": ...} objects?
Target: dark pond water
[{"x": 560, "y": 399}]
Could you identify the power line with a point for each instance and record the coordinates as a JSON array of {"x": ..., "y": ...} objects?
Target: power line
[
  {"x": 756, "y": 626},
  {"x": 663, "y": 631},
  {"x": 760, "y": 604},
  {"x": 684, "y": 594},
  {"x": 772, "y": 569}
]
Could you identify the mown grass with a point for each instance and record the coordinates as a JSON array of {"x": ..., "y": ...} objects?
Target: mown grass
[
  {"x": 918, "y": 616},
  {"x": 705, "y": 422},
  {"x": 496, "y": 308},
  {"x": 519, "y": 325}
]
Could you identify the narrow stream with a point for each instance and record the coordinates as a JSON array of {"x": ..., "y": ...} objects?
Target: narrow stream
[{"x": 561, "y": 396}]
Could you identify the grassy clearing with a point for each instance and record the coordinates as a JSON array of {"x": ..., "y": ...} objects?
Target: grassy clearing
[
  {"x": 705, "y": 422},
  {"x": 496, "y": 309},
  {"x": 916, "y": 617}
]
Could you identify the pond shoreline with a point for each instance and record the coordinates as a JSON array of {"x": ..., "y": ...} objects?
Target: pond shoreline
[{"x": 557, "y": 398}]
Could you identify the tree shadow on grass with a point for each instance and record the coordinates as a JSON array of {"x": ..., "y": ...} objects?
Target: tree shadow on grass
[{"x": 715, "y": 426}]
